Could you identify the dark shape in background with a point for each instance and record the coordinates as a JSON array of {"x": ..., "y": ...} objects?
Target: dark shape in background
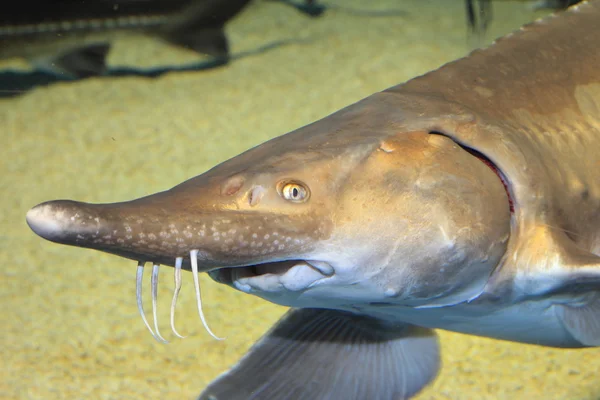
[
  {"x": 308, "y": 7},
  {"x": 13, "y": 83},
  {"x": 556, "y": 4},
  {"x": 316, "y": 9},
  {"x": 69, "y": 40},
  {"x": 480, "y": 12},
  {"x": 73, "y": 37},
  {"x": 479, "y": 15}
]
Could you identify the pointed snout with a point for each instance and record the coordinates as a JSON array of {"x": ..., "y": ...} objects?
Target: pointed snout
[
  {"x": 165, "y": 226},
  {"x": 140, "y": 230},
  {"x": 59, "y": 220},
  {"x": 42, "y": 221}
]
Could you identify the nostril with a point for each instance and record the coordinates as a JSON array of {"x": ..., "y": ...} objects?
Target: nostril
[
  {"x": 232, "y": 186},
  {"x": 255, "y": 195}
]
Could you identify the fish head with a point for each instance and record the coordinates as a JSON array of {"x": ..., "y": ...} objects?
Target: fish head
[{"x": 311, "y": 219}]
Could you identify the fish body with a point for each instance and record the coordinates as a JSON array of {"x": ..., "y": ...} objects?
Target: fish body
[
  {"x": 73, "y": 37},
  {"x": 466, "y": 199}
]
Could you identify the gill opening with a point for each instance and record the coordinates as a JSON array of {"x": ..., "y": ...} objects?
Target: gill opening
[
  {"x": 483, "y": 158},
  {"x": 154, "y": 292}
]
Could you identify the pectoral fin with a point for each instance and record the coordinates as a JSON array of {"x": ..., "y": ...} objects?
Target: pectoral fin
[
  {"x": 582, "y": 320},
  {"x": 209, "y": 41},
  {"x": 83, "y": 62},
  {"x": 201, "y": 26},
  {"x": 314, "y": 354}
]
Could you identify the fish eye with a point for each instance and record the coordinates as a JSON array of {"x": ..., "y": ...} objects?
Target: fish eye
[{"x": 295, "y": 192}]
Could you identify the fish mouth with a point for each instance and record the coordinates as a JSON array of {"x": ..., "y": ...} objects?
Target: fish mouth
[{"x": 290, "y": 275}]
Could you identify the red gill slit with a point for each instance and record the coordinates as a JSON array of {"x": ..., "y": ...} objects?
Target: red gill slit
[
  {"x": 487, "y": 162},
  {"x": 493, "y": 167}
]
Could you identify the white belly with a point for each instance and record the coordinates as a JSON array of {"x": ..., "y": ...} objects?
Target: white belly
[{"x": 527, "y": 322}]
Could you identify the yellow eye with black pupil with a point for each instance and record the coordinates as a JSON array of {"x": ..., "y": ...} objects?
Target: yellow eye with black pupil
[{"x": 294, "y": 192}]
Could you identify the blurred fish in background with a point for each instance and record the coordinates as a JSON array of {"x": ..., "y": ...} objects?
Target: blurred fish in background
[
  {"x": 73, "y": 37},
  {"x": 66, "y": 40}
]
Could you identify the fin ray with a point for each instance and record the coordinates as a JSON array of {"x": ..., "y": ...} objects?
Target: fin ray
[
  {"x": 583, "y": 320},
  {"x": 318, "y": 354}
]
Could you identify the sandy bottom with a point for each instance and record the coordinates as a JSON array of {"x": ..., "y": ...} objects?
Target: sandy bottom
[{"x": 69, "y": 320}]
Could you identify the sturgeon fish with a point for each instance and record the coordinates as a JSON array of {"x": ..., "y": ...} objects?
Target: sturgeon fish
[
  {"x": 73, "y": 38},
  {"x": 467, "y": 199}
]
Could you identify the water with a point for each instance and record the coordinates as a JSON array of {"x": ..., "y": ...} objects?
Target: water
[{"x": 70, "y": 323}]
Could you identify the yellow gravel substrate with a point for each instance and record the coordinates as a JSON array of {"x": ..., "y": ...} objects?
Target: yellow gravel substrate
[{"x": 69, "y": 320}]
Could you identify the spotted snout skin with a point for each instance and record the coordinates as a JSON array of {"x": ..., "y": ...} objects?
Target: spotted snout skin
[{"x": 167, "y": 225}]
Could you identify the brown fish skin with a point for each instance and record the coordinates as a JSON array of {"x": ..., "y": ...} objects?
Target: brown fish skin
[
  {"x": 532, "y": 101},
  {"x": 167, "y": 225}
]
